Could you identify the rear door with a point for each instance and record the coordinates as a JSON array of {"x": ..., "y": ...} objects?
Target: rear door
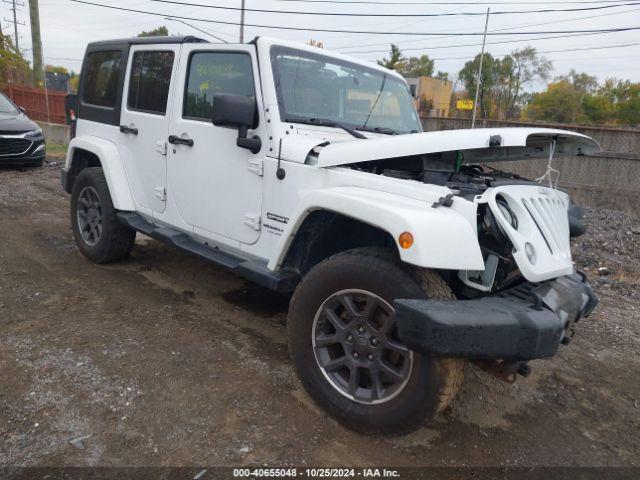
[
  {"x": 144, "y": 122},
  {"x": 216, "y": 185}
]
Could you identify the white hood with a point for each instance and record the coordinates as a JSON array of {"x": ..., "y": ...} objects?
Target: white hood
[{"x": 514, "y": 144}]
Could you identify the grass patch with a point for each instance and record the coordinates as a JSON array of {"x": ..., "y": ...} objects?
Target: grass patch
[{"x": 56, "y": 150}]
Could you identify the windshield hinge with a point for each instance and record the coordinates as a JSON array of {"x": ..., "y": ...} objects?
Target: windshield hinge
[
  {"x": 255, "y": 166},
  {"x": 252, "y": 220},
  {"x": 445, "y": 201}
]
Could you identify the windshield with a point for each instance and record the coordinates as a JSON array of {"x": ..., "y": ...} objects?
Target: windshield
[
  {"x": 313, "y": 87},
  {"x": 6, "y": 106}
]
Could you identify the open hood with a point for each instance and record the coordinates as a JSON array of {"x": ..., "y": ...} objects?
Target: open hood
[{"x": 477, "y": 145}]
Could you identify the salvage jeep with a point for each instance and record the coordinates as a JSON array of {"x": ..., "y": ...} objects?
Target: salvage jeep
[{"x": 407, "y": 254}]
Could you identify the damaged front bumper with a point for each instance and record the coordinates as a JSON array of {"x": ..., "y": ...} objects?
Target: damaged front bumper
[{"x": 519, "y": 324}]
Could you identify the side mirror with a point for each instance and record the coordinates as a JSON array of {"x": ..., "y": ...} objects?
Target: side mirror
[
  {"x": 237, "y": 111},
  {"x": 23, "y": 110}
]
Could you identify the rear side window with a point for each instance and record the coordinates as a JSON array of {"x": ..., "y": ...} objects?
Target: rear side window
[
  {"x": 216, "y": 72},
  {"x": 149, "y": 81},
  {"x": 100, "y": 86}
]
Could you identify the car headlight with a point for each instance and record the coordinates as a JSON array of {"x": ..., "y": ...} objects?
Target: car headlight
[{"x": 35, "y": 134}]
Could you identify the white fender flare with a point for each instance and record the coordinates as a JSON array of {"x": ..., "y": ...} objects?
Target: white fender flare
[
  {"x": 114, "y": 172},
  {"x": 444, "y": 237}
]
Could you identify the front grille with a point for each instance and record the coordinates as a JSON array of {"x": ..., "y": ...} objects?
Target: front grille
[
  {"x": 550, "y": 216},
  {"x": 14, "y": 146}
]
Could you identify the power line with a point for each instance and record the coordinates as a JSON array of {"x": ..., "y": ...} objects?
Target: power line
[
  {"x": 195, "y": 28},
  {"x": 426, "y": 4},
  {"x": 366, "y": 2},
  {"x": 550, "y": 51},
  {"x": 366, "y": 32},
  {"x": 494, "y": 30},
  {"x": 64, "y": 59},
  {"x": 342, "y": 14},
  {"x": 501, "y": 42}
]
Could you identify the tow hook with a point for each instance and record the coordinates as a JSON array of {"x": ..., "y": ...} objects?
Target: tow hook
[{"x": 505, "y": 371}]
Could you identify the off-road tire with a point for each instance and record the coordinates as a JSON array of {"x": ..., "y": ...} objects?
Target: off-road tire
[
  {"x": 433, "y": 382},
  {"x": 116, "y": 240}
]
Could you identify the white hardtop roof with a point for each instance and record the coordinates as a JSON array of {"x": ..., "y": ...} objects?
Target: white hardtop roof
[{"x": 267, "y": 42}]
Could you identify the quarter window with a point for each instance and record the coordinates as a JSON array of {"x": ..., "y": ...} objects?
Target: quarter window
[
  {"x": 215, "y": 72},
  {"x": 149, "y": 81},
  {"x": 101, "y": 78}
]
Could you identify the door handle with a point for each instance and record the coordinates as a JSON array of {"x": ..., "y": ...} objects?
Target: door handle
[
  {"x": 175, "y": 140},
  {"x": 131, "y": 130}
]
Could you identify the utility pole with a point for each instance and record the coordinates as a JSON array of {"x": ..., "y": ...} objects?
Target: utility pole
[
  {"x": 36, "y": 44},
  {"x": 15, "y": 22},
  {"x": 479, "y": 79},
  {"x": 242, "y": 21}
]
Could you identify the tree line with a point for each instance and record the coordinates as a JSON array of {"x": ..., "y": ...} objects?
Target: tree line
[{"x": 504, "y": 89}]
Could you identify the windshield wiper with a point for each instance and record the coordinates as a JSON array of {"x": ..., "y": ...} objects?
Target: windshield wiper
[
  {"x": 385, "y": 130},
  {"x": 325, "y": 122}
]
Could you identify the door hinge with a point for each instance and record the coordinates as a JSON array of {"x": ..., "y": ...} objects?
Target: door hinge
[
  {"x": 255, "y": 166},
  {"x": 161, "y": 147},
  {"x": 252, "y": 220},
  {"x": 161, "y": 193}
]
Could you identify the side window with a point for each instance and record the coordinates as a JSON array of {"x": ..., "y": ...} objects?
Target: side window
[
  {"x": 100, "y": 85},
  {"x": 149, "y": 81},
  {"x": 215, "y": 72}
]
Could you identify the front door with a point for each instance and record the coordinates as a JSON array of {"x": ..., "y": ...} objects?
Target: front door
[
  {"x": 214, "y": 183},
  {"x": 144, "y": 122}
]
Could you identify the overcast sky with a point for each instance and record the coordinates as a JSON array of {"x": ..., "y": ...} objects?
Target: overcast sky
[{"x": 67, "y": 28}]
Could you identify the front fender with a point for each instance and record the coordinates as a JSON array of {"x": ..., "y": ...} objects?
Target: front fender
[
  {"x": 112, "y": 166},
  {"x": 444, "y": 237}
]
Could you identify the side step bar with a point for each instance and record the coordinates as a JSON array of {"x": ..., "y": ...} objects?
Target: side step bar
[{"x": 253, "y": 270}]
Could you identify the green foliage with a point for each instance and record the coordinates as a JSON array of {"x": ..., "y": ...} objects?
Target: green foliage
[
  {"x": 395, "y": 58},
  {"x": 416, "y": 67},
  {"x": 572, "y": 98},
  {"x": 74, "y": 82},
  {"x": 56, "y": 69},
  {"x": 559, "y": 103},
  {"x": 503, "y": 80},
  {"x": 421, "y": 66},
  {"x": 577, "y": 98},
  {"x": 468, "y": 76},
  {"x": 14, "y": 68},
  {"x": 161, "y": 31}
]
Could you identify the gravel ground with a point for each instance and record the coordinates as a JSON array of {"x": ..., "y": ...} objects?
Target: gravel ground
[{"x": 166, "y": 360}]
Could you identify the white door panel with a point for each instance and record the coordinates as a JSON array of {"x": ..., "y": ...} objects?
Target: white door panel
[
  {"x": 144, "y": 122},
  {"x": 213, "y": 182}
]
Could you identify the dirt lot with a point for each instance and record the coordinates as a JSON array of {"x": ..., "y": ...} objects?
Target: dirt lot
[{"x": 167, "y": 360}]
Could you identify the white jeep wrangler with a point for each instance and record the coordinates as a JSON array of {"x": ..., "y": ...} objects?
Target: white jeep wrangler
[{"x": 307, "y": 172}]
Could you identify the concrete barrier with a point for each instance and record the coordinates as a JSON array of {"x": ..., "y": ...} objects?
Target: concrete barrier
[{"x": 55, "y": 132}]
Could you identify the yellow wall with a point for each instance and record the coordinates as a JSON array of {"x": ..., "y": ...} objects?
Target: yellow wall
[{"x": 437, "y": 91}]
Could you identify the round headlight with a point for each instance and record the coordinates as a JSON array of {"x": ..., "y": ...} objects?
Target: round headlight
[{"x": 530, "y": 252}]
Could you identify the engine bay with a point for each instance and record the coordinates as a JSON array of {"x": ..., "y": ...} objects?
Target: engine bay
[{"x": 445, "y": 169}]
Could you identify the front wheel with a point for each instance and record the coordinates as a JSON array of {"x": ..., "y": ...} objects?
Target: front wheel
[
  {"x": 344, "y": 344},
  {"x": 97, "y": 232}
]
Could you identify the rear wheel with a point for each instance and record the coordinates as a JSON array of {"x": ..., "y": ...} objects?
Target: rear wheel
[
  {"x": 97, "y": 232},
  {"x": 344, "y": 344}
]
